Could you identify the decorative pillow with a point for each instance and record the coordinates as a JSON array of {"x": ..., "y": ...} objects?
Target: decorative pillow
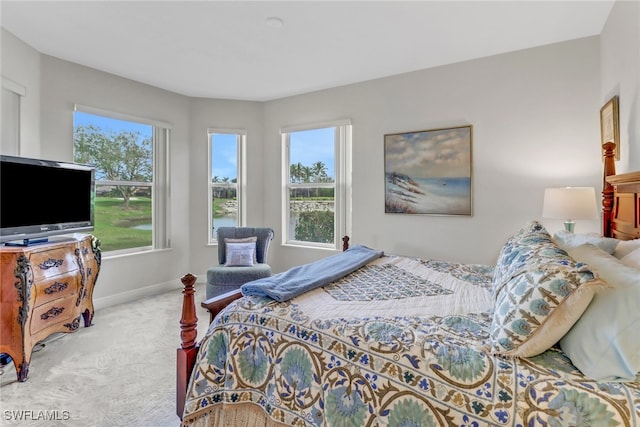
[
  {"x": 252, "y": 239},
  {"x": 541, "y": 299},
  {"x": 632, "y": 259},
  {"x": 625, "y": 247},
  {"x": 604, "y": 342},
  {"x": 567, "y": 240},
  {"x": 240, "y": 254},
  {"x": 511, "y": 257}
]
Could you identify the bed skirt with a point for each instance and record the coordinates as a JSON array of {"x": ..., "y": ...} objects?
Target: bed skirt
[{"x": 236, "y": 415}]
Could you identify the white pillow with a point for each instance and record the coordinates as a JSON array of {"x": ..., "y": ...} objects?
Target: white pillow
[
  {"x": 604, "y": 342},
  {"x": 625, "y": 247},
  {"x": 240, "y": 254},
  {"x": 244, "y": 240},
  {"x": 632, "y": 259},
  {"x": 567, "y": 240}
]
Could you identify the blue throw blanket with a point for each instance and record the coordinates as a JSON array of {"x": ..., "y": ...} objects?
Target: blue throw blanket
[{"x": 297, "y": 280}]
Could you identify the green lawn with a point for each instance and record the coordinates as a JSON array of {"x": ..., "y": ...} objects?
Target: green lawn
[
  {"x": 218, "y": 202},
  {"x": 114, "y": 224}
]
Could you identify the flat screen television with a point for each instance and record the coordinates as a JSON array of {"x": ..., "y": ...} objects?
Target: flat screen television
[{"x": 40, "y": 198}]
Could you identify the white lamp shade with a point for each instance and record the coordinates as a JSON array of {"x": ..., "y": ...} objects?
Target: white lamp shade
[{"x": 570, "y": 203}]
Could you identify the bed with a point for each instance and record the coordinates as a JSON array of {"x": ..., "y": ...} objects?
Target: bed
[{"x": 402, "y": 341}]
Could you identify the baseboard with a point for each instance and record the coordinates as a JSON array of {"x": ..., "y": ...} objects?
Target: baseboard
[{"x": 147, "y": 291}]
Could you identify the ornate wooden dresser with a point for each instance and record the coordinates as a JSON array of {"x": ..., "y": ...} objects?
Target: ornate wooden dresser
[{"x": 46, "y": 288}]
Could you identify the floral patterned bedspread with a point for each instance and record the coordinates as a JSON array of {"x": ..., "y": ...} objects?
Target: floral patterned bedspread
[{"x": 400, "y": 342}]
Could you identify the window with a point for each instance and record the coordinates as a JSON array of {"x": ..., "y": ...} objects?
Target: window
[
  {"x": 317, "y": 186},
  {"x": 130, "y": 156},
  {"x": 225, "y": 179}
]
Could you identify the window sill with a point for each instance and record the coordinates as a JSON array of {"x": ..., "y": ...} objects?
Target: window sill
[
  {"x": 304, "y": 246},
  {"x": 131, "y": 252}
]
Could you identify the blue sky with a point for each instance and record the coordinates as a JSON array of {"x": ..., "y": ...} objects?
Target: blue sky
[
  {"x": 307, "y": 147},
  {"x": 109, "y": 124},
  {"x": 311, "y": 146},
  {"x": 430, "y": 154},
  {"x": 224, "y": 158}
]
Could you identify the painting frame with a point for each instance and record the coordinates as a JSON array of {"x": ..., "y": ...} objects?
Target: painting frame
[
  {"x": 610, "y": 124},
  {"x": 429, "y": 172}
]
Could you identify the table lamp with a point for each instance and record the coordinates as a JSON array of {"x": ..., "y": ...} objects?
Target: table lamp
[{"x": 570, "y": 203}]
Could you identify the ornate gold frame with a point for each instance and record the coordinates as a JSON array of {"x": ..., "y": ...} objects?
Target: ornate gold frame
[{"x": 610, "y": 124}]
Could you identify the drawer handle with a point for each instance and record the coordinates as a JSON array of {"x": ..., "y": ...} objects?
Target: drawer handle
[
  {"x": 51, "y": 263},
  {"x": 56, "y": 287},
  {"x": 53, "y": 312},
  {"x": 73, "y": 326}
]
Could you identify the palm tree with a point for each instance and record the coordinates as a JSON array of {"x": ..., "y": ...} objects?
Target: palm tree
[
  {"x": 295, "y": 172},
  {"x": 319, "y": 170}
]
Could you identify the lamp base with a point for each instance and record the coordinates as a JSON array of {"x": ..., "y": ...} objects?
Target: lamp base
[{"x": 569, "y": 226}]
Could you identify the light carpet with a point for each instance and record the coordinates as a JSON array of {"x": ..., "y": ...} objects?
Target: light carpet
[{"x": 118, "y": 372}]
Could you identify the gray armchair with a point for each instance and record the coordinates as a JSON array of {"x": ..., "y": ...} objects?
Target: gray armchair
[{"x": 222, "y": 279}]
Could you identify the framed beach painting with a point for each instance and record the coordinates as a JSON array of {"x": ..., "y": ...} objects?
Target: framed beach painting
[{"x": 428, "y": 172}]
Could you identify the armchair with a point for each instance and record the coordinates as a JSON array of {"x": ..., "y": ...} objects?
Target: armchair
[{"x": 223, "y": 278}]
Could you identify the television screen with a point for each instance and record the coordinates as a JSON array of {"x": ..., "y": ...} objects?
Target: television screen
[{"x": 39, "y": 198}]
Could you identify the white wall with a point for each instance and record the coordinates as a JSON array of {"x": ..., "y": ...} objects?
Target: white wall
[
  {"x": 239, "y": 115},
  {"x": 64, "y": 84},
  {"x": 620, "y": 64},
  {"x": 535, "y": 124},
  {"x": 535, "y": 117},
  {"x": 21, "y": 64}
]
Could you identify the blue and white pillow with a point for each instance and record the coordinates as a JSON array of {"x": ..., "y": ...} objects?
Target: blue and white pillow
[
  {"x": 517, "y": 250},
  {"x": 539, "y": 296}
]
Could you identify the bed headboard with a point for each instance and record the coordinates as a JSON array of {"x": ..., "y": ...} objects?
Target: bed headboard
[{"x": 620, "y": 200}]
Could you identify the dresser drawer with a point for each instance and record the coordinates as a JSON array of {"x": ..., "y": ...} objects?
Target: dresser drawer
[
  {"x": 56, "y": 287},
  {"x": 52, "y": 313},
  {"x": 52, "y": 263}
]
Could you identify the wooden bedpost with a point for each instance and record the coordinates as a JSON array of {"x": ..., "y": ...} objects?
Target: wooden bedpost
[
  {"x": 345, "y": 243},
  {"x": 186, "y": 353},
  {"x": 607, "y": 189}
]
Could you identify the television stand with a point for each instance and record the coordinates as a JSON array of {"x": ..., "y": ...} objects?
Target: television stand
[{"x": 45, "y": 289}]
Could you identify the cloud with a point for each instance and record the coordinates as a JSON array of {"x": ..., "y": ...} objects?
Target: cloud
[{"x": 438, "y": 153}]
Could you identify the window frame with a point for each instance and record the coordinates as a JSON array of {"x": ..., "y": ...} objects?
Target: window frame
[
  {"x": 160, "y": 184},
  {"x": 241, "y": 142},
  {"x": 342, "y": 183},
  {"x": 12, "y": 94}
]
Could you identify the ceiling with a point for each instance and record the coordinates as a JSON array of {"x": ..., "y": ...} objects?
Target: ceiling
[{"x": 231, "y": 50}]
